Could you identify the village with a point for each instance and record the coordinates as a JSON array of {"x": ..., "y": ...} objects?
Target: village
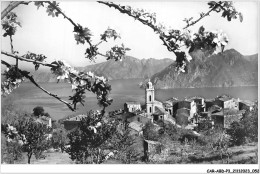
[
  {"x": 187, "y": 113},
  {"x": 190, "y": 114}
]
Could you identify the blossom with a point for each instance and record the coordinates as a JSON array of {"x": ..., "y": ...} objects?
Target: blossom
[
  {"x": 221, "y": 38},
  {"x": 98, "y": 125},
  {"x": 90, "y": 74},
  {"x": 93, "y": 128}
]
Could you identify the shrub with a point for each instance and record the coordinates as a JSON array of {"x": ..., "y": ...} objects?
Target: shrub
[
  {"x": 38, "y": 111},
  {"x": 150, "y": 132},
  {"x": 246, "y": 129},
  {"x": 89, "y": 140},
  {"x": 237, "y": 133}
]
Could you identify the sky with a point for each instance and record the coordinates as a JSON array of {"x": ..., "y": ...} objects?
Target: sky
[{"x": 54, "y": 37}]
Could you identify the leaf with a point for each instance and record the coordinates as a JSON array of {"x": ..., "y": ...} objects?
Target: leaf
[
  {"x": 212, "y": 4},
  {"x": 225, "y": 13},
  {"x": 201, "y": 30},
  {"x": 5, "y": 34}
]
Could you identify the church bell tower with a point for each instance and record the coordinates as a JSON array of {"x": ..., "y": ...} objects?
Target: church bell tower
[{"x": 149, "y": 98}]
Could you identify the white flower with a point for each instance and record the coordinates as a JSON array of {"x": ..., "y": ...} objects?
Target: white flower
[
  {"x": 98, "y": 125},
  {"x": 9, "y": 139},
  {"x": 103, "y": 79},
  {"x": 188, "y": 35},
  {"x": 90, "y": 74},
  {"x": 93, "y": 128},
  {"x": 74, "y": 86},
  {"x": 221, "y": 38}
]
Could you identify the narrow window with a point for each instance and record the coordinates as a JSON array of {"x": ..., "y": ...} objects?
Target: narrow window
[
  {"x": 150, "y": 109},
  {"x": 150, "y": 98}
]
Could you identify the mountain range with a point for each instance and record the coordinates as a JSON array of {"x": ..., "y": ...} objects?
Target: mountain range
[
  {"x": 226, "y": 69},
  {"x": 128, "y": 68}
]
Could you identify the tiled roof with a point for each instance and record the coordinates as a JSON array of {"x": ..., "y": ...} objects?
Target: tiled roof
[
  {"x": 133, "y": 103},
  {"x": 136, "y": 126},
  {"x": 76, "y": 118},
  {"x": 159, "y": 111}
]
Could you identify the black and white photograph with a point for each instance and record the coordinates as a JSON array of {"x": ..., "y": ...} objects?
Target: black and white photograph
[{"x": 134, "y": 86}]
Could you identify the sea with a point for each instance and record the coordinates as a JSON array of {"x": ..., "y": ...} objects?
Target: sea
[{"x": 27, "y": 96}]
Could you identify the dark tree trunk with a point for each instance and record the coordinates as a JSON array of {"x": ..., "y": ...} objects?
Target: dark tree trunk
[{"x": 29, "y": 157}]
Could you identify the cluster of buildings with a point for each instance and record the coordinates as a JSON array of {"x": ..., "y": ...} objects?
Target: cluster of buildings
[{"x": 187, "y": 113}]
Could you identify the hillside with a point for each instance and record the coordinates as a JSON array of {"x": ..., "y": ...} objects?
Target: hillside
[
  {"x": 128, "y": 68},
  {"x": 226, "y": 69}
]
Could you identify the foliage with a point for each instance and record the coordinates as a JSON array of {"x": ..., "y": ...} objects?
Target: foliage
[
  {"x": 88, "y": 142},
  {"x": 10, "y": 24},
  {"x": 237, "y": 133},
  {"x": 123, "y": 144},
  {"x": 35, "y": 57},
  {"x": 182, "y": 119},
  {"x": 150, "y": 132},
  {"x": 250, "y": 121},
  {"x": 31, "y": 135},
  {"x": 38, "y": 111},
  {"x": 246, "y": 129},
  {"x": 109, "y": 33},
  {"x": 204, "y": 125},
  {"x": 117, "y": 52},
  {"x": 12, "y": 80},
  {"x": 11, "y": 151},
  {"x": 59, "y": 138}
]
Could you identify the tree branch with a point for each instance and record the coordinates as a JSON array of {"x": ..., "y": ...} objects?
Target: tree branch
[
  {"x": 11, "y": 6},
  {"x": 26, "y": 60},
  {"x": 59, "y": 10},
  {"x": 25, "y": 74},
  {"x": 143, "y": 21},
  {"x": 69, "y": 19},
  {"x": 47, "y": 92},
  {"x": 201, "y": 17}
]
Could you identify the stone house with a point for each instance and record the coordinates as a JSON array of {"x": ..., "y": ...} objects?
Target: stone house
[
  {"x": 208, "y": 104},
  {"x": 73, "y": 122},
  {"x": 190, "y": 105},
  {"x": 225, "y": 117},
  {"x": 246, "y": 105},
  {"x": 227, "y": 102},
  {"x": 44, "y": 120},
  {"x": 218, "y": 118},
  {"x": 200, "y": 103},
  {"x": 139, "y": 117},
  {"x": 159, "y": 114},
  {"x": 171, "y": 106},
  {"x": 151, "y": 148},
  {"x": 182, "y": 116},
  {"x": 132, "y": 106},
  {"x": 136, "y": 128}
]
